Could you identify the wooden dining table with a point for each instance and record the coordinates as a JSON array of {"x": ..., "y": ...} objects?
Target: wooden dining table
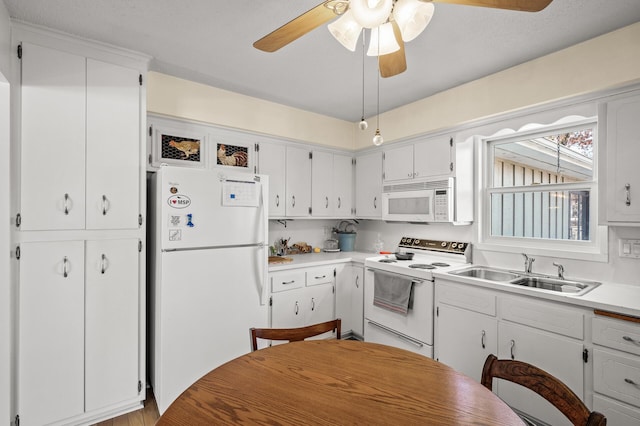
[{"x": 336, "y": 382}]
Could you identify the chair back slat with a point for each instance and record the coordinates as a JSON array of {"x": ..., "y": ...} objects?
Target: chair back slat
[{"x": 294, "y": 334}]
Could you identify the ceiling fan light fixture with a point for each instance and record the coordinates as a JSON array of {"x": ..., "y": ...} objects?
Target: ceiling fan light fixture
[
  {"x": 384, "y": 36},
  {"x": 346, "y": 30},
  {"x": 371, "y": 13},
  {"x": 412, "y": 17}
]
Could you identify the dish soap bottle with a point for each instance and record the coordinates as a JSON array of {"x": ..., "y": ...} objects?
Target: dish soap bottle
[{"x": 378, "y": 246}]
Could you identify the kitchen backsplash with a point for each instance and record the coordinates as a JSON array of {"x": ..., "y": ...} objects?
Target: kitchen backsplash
[{"x": 617, "y": 269}]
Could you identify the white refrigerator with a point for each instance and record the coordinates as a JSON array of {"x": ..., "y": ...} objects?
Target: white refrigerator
[{"x": 208, "y": 277}]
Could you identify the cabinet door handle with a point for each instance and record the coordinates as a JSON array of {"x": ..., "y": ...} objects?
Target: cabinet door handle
[
  {"x": 297, "y": 308},
  {"x": 105, "y": 205},
  {"x": 65, "y": 267},
  {"x": 629, "y": 339},
  {"x": 288, "y": 282},
  {"x": 512, "y": 343},
  {"x": 357, "y": 281},
  {"x": 375, "y": 204},
  {"x": 319, "y": 278},
  {"x": 326, "y": 202},
  {"x": 66, "y": 204},
  {"x": 277, "y": 201},
  {"x": 484, "y": 333},
  {"x": 293, "y": 201},
  {"x": 627, "y": 189},
  {"x": 103, "y": 264},
  {"x": 313, "y": 303},
  {"x": 339, "y": 202},
  {"x": 631, "y": 382}
]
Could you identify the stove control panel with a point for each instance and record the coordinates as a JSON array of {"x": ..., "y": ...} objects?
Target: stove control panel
[{"x": 453, "y": 247}]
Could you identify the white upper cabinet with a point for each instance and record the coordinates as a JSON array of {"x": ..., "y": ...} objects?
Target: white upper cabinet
[
  {"x": 619, "y": 185},
  {"x": 113, "y": 146},
  {"x": 80, "y": 142},
  {"x": 52, "y": 193},
  {"x": 322, "y": 200},
  {"x": 429, "y": 158},
  {"x": 369, "y": 185},
  {"x": 272, "y": 163},
  {"x": 331, "y": 185},
  {"x": 298, "y": 182},
  {"x": 343, "y": 185}
]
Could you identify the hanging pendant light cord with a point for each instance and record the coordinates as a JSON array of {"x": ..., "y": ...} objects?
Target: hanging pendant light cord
[
  {"x": 363, "y": 55},
  {"x": 378, "y": 106}
]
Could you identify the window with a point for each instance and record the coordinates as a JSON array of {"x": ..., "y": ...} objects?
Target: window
[{"x": 541, "y": 188}]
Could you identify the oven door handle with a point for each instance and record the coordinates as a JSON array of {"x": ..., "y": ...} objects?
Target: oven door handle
[
  {"x": 413, "y": 280},
  {"x": 395, "y": 333}
]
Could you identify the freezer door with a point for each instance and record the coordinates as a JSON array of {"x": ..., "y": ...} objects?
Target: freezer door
[
  {"x": 207, "y": 208},
  {"x": 204, "y": 305}
]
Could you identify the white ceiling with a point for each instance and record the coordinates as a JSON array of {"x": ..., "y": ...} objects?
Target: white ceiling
[{"x": 210, "y": 41}]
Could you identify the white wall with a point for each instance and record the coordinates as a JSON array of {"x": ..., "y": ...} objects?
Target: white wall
[
  {"x": 5, "y": 293},
  {"x": 180, "y": 98},
  {"x": 613, "y": 60}
]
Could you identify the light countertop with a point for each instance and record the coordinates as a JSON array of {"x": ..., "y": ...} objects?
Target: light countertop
[
  {"x": 608, "y": 296},
  {"x": 319, "y": 259}
]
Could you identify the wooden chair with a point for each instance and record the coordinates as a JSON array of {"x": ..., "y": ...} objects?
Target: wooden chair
[
  {"x": 294, "y": 334},
  {"x": 545, "y": 385}
]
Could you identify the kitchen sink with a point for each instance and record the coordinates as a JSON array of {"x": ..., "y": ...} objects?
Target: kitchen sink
[
  {"x": 539, "y": 282},
  {"x": 564, "y": 286},
  {"x": 486, "y": 274}
]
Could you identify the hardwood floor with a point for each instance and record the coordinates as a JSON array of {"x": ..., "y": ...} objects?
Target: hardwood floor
[{"x": 147, "y": 416}]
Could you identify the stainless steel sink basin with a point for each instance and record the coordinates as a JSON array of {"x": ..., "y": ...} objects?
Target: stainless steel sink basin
[
  {"x": 575, "y": 288},
  {"x": 553, "y": 284},
  {"x": 486, "y": 274}
]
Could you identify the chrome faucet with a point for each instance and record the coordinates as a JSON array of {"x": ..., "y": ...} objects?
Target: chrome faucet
[
  {"x": 560, "y": 270},
  {"x": 528, "y": 261}
]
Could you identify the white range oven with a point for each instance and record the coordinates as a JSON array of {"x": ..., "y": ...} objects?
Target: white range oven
[{"x": 398, "y": 294}]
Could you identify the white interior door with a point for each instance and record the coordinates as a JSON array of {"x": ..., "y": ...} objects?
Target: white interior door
[
  {"x": 113, "y": 146},
  {"x": 51, "y": 332},
  {"x": 52, "y": 187},
  {"x": 112, "y": 322}
]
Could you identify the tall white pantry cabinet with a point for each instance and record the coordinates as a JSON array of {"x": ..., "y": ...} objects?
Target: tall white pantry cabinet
[{"x": 78, "y": 191}]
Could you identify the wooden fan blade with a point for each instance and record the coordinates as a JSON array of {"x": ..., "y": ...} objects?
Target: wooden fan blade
[
  {"x": 295, "y": 28},
  {"x": 522, "y": 5},
  {"x": 396, "y": 62}
]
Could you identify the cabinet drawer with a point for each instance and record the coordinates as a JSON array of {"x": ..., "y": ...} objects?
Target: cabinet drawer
[
  {"x": 617, "y": 413},
  {"x": 287, "y": 280},
  {"x": 465, "y": 296},
  {"x": 617, "y": 375},
  {"x": 321, "y": 275},
  {"x": 617, "y": 334},
  {"x": 545, "y": 316}
]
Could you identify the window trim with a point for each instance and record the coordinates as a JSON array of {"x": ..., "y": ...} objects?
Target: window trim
[{"x": 595, "y": 250}]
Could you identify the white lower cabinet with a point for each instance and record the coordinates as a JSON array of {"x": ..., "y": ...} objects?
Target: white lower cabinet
[
  {"x": 78, "y": 329},
  {"x": 350, "y": 298},
  {"x": 472, "y": 323},
  {"x": 301, "y": 297},
  {"x": 616, "y": 370}
]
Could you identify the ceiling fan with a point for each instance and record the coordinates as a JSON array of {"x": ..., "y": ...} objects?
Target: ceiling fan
[{"x": 392, "y": 23}]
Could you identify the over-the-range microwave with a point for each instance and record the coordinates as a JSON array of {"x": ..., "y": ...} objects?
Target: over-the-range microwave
[{"x": 422, "y": 201}]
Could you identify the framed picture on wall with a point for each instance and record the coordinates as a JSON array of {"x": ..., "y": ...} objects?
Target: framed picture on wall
[
  {"x": 232, "y": 155},
  {"x": 178, "y": 147}
]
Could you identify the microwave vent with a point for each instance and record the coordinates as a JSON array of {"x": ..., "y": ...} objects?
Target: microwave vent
[{"x": 417, "y": 186}]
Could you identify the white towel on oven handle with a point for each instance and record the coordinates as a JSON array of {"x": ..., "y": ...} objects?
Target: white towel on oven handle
[{"x": 393, "y": 292}]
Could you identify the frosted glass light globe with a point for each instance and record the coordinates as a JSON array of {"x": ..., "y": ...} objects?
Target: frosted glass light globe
[
  {"x": 370, "y": 13},
  {"x": 377, "y": 139},
  {"x": 363, "y": 124}
]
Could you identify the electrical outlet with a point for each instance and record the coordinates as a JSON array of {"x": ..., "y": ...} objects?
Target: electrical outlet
[{"x": 629, "y": 248}]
